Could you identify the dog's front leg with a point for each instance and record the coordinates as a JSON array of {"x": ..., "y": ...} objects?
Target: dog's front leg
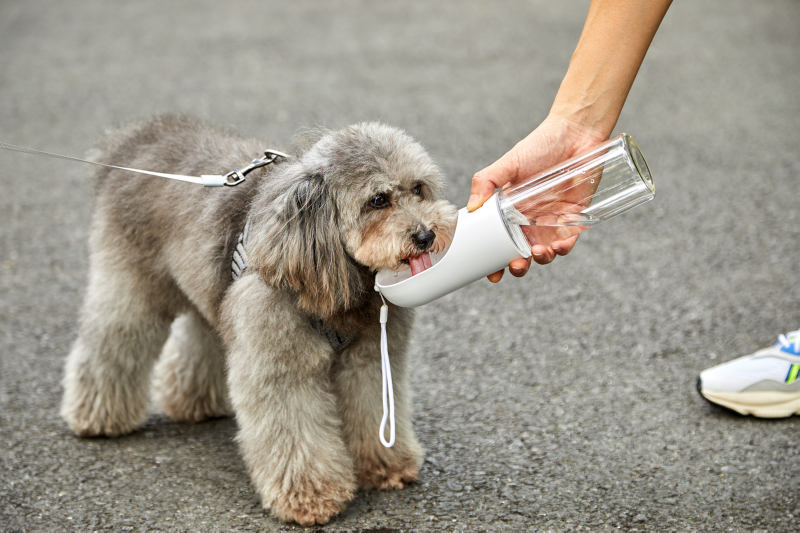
[
  {"x": 358, "y": 387},
  {"x": 290, "y": 433}
]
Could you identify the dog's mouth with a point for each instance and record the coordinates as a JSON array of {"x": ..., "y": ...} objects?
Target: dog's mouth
[{"x": 418, "y": 263}]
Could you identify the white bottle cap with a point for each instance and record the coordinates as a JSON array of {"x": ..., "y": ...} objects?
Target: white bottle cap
[{"x": 482, "y": 244}]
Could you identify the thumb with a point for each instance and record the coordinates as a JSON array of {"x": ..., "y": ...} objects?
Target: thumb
[{"x": 495, "y": 176}]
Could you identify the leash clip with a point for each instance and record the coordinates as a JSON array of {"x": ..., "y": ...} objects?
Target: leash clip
[{"x": 235, "y": 177}]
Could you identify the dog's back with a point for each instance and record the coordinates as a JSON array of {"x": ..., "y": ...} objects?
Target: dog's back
[{"x": 179, "y": 235}]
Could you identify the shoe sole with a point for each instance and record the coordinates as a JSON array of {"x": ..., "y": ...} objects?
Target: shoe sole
[{"x": 759, "y": 404}]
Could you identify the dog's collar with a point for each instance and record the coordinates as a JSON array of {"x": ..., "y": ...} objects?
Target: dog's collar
[{"x": 337, "y": 340}]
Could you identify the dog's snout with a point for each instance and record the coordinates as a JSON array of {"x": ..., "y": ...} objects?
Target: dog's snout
[{"x": 423, "y": 239}]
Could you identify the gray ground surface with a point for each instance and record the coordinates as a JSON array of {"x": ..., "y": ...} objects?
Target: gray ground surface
[{"x": 564, "y": 401}]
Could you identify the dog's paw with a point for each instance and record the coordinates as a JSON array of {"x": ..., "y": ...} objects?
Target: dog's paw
[
  {"x": 92, "y": 419},
  {"x": 386, "y": 479},
  {"x": 92, "y": 410},
  {"x": 190, "y": 404},
  {"x": 388, "y": 473},
  {"x": 192, "y": 410},
  {"x": 313, "y": 503}
]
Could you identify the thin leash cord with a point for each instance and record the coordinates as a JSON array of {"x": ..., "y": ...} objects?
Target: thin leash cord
[
  {"x": 206, "y": 181},
  {"x": 386, "y": 380},
  {"x": 232, "y": 178}
]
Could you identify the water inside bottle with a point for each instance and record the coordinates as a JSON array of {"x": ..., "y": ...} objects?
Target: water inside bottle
[
  {"x": 547, "y": 218},
  {"x": 544, "y": 227},
  {"x": 555, "y": 220}
]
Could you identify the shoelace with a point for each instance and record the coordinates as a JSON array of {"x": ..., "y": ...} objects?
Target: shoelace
[{"x": 791, "y": 341}]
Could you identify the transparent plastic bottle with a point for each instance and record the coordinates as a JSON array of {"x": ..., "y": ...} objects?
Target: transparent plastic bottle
[{"x": 568, "y": 198}]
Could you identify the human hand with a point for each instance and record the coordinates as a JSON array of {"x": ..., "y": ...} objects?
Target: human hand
[{"x": 553, "y": 141}]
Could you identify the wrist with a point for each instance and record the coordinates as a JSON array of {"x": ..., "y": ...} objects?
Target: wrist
[
  {"x": 585, "y": 106},
  {"x": 575, "y": 129}
]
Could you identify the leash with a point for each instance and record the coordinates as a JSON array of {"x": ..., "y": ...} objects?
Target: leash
[{"x": 231, "y": 179}]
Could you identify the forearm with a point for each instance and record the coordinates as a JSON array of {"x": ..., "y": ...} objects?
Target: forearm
[{"x": 610, "y": 51}]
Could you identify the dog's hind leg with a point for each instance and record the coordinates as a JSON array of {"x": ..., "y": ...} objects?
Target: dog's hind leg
[
  {"x": 190, "y": 374},
  {"x": 123, "y": 327},
  {"x": 357, "y": 380}
]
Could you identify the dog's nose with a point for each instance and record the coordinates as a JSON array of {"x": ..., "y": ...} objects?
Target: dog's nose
[{"x": 423, "y": 239}]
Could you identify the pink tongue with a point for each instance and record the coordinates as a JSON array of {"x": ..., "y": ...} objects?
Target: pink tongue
[{"x": 419, "y": 263}]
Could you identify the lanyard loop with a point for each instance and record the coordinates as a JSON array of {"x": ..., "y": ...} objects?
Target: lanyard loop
[{"x": 387, "y": 395}]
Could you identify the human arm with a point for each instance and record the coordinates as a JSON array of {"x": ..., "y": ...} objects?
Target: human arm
[{"x": 611, "y": 48}]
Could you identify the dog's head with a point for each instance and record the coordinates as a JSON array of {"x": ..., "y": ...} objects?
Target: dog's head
[{"x": 361, "y": 199}]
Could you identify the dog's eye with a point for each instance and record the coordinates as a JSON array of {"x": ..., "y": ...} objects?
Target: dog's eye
[
  {"x": 418, "y": 189},
  {"x": 379, "y": 201}
]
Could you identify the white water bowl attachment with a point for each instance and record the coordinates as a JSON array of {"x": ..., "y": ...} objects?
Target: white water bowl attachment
[{"x": 481, "y": 245}]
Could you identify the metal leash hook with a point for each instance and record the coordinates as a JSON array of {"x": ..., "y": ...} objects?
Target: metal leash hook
[{"x": 235, "y": 177}]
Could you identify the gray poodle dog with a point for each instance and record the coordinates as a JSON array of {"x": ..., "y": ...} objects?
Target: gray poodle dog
[{"x": 291, "y": 347}]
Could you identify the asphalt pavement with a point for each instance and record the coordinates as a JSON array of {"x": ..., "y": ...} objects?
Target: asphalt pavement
[{"x": 562, "y": 401}]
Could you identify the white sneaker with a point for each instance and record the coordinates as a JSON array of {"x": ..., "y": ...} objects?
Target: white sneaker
[{"x": 764, "y": 384}]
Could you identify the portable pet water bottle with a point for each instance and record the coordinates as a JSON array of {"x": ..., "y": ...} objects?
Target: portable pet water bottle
[{"x": 555, "y": 204}]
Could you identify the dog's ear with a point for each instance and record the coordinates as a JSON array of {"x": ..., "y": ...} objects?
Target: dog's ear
[{"x": 296, "y": 245}]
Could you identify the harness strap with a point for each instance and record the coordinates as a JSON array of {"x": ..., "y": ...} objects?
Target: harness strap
[
  {"x": 337, "y": 340},
  {"x": 239, "y": 263}
]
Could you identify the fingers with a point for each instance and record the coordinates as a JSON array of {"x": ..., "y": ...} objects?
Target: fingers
[
  {"x": 542, "y": 254},
  {"x": 565, "y": 246},
  {"x": 485, "y": 181},
  {"x": 519, "y": 267},
  {"x": 496, "y": 276},
  {"x": 478, "y": 195},
  {"x": 546, "y": 254},
  {"x": 539, "y": 253},
  {"x": 482, "y": 189}
]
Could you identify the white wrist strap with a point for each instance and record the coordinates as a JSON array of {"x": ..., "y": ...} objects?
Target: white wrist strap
[{"x": 386, "y": 379}]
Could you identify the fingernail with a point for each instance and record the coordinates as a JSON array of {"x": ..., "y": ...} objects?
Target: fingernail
[{"x": 473, "y": 203}]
